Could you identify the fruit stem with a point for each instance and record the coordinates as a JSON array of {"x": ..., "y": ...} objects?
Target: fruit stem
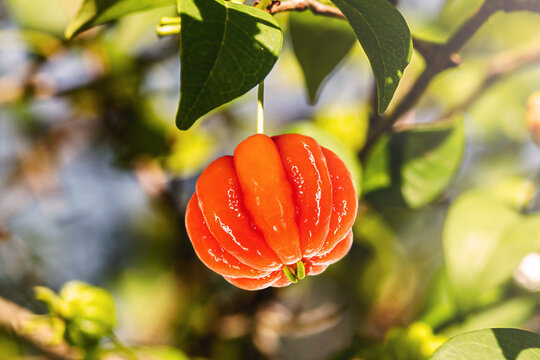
[
  {"x": 289, "y": 274},
  {"x": 260, "y": 108},
  {"x": 295, "y": 275},
  {"x": 168, "y": 20}
]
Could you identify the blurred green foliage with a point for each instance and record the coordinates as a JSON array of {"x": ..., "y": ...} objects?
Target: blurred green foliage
[
  {"x": 415, "y": 342},
  {"x": 84, "y": 314},
  {"x": 94, "y": 178}
]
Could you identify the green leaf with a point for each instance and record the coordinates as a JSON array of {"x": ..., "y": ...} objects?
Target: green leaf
[
  {"x": 474, "y": 229},
  {"x": 491, "y": 344},
  {"x": 386, "y": 39},
  {"x": 377, "y": 168},
  {"x": 44, "y": 16},
  {"x": 319, "y": 43},
  {"x": 225, "y": 50},
  {"x": 440, "y": 305},
  {"x": 420, "y": 163},
  {"x": 516, "y": 192},
  {"x": 430, "y": 159},
  {"x": 518, "y": 241},
  {"x": 95, "y": 12}
]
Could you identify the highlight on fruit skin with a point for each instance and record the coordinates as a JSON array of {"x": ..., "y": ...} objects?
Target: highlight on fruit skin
[{"x": 278, "y": 210}]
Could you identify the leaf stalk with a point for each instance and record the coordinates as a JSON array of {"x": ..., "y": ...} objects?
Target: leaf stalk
[{"x": 260, "y": 108}]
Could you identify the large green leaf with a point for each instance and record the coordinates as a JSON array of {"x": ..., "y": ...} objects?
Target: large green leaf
[
  {"x": 430, "y": 159},
  {"x": 95, "y": 12},
  {"x": 491, "y": 344},
  {"x": 225, "y": 50},
  {"x": 474, "y": 229},
  {"x": 319, "y": 43},
  {"x": 386, "y": 39}
]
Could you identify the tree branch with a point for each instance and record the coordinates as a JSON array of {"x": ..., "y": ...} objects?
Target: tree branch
[
  {"x": 14, "y": 319},
  {"x": 440, "y": 57},
  {"x": 302, "y": 5},
  {"x": 497, "y": 68}
]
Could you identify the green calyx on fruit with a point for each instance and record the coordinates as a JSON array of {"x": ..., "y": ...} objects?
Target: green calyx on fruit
[{"x": 293, "y": 275}]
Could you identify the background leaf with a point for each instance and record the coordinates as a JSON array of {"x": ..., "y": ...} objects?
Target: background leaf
[
  {"x": 420, "y": 163},
  {"x": 471, "y": 236},
  {"x": 520, "y": 240},
  {"x": 430, "y": 159},
  {"x": 386, "y": 39},
  {"x": 491, "y": 344},
  {"x": 44, "y": 15},
  {"x": 377, "y": 168},
  {"x": 320, "y": 44},
  {"x": 95, "y": 12},
  {"x": 225, "y": 50},
  {"x": 507, "y": 313}
]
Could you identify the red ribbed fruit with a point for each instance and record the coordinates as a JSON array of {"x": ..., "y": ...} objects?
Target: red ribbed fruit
[{"x": 279, "y": 209}]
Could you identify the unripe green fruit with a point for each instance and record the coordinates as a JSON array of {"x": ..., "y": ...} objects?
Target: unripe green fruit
[{"x": 89, "y": 313}]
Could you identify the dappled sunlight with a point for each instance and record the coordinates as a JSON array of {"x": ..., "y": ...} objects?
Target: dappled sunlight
[{"x": 96, "y": 176}]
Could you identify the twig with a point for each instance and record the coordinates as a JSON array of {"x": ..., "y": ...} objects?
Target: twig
[
  {"x": 302, "y": 5},
  {"x": 14, "y": 318},
  {"x": 440, "y": 57},
  {"x": 498, "y": 67},
  {"x": 313, "y": 5}
]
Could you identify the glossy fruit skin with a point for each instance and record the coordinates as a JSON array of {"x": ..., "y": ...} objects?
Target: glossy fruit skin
[{"x": 276, "y": 202}]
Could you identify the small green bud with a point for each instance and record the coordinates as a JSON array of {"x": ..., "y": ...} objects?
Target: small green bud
[
  {"x": 89, "y": 313},
  {"x": 49, "y": 298}
]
